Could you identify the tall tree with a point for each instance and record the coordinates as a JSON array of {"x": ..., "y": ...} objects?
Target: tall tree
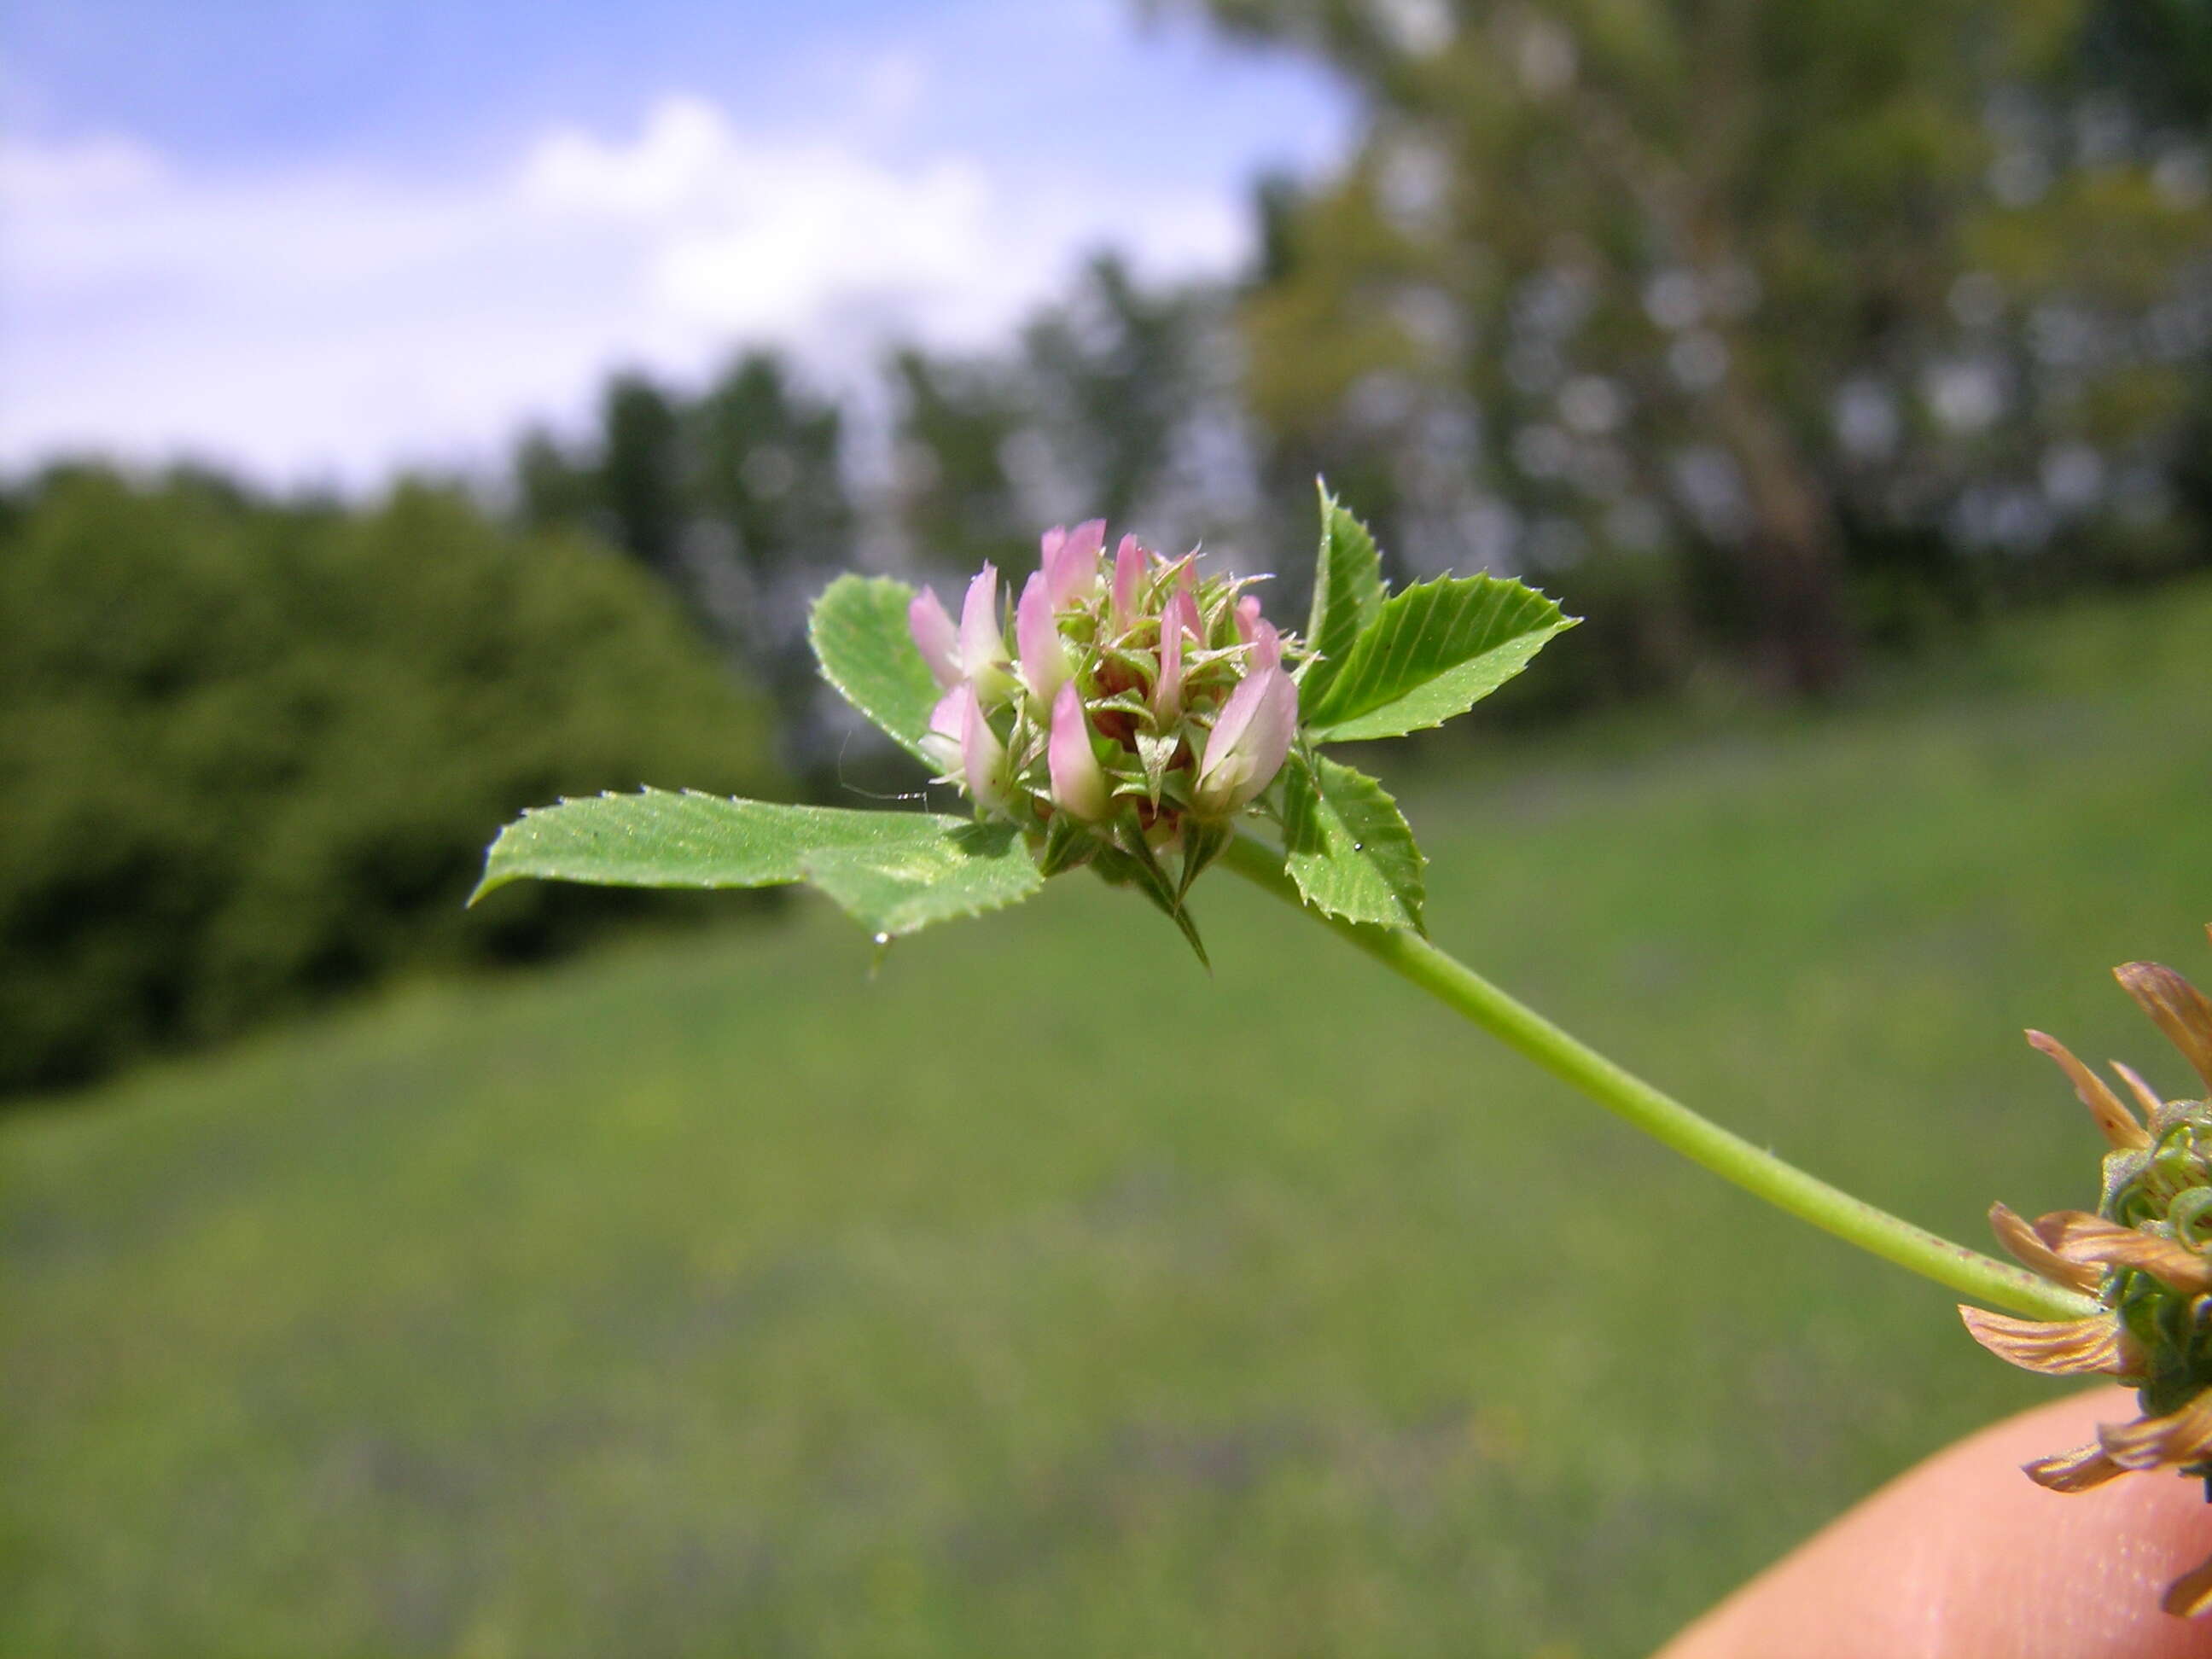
[
  {"x": 641, "y": 470},
  {"x": 736, "y": 498},
  {"x": 1114, "y": 367},
  {"x": 1725, "y": 269},
  {"x": 768, "y": 523},
  {"x": 958, "y": 424}
]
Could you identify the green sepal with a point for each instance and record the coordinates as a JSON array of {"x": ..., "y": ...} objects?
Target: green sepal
[
  {"x": 1348, "y": 847},
  {"x": 1155, "y": 753},
  {"x": 1131, "y": 862},
  {"x": 893, "y": 872},
  {"x": 860, "y": 636},
  {"x": 1204, "y": 840},
  {"x": 1066, "y": 844},
  {"x": 1432, "y": 652}
]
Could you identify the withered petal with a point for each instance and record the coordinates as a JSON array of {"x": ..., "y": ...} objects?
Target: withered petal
[
  {"x": 2190, "y": 1593},
  {"x": 2074, "y": 1471},
  {"x": 2181, "y": 1437},
  {"x": 2015, "y": 1235},
  {"x": 2061, "y": 1348},
  {"x": 2081, "y": 1236},
  {"x": 2176, "y": 1007},
  {"x": 2143, "y": 1092},
  {"x": 2118, "y": 1122}
]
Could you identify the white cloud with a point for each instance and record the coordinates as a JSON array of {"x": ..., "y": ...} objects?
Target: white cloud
[
  {"x": 32, "y": 174},
  {"x": 329, "y": 322}
]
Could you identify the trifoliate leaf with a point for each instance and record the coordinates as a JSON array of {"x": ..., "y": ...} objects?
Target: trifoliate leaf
[
  {"x": 1432, "y": 652},
  {"x": 1348, "y": 594},
  {"x": 891, "y": 871},
  {"x": 858, "y": 631},
  {"x": 1347, "y": 845}
]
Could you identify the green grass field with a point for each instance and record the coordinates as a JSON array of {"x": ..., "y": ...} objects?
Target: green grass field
[{"x": 1039, "y": 1296}]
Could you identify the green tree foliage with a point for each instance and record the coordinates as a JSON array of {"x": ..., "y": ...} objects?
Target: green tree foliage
[
  {"x": 1743, "y": 289},
  {"x": 640, "y": 471},
  {"x": 957, "y": 500},
  {"x": 2157, "y": 53},
  {"x": 252, "y": 748},
  {"x": 736, "y": 497},
  {"x": 2156, "y": 56},
  {"x": 1121, "y": 401},
  {"x": 1116, "y": 370}
]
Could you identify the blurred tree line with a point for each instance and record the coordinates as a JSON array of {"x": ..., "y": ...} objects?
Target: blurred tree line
[
  {"x": 746, "y": 496},
  {"x": 1760, "y": 334},
  {"x": 1761, "y": 329},
  {"x": 254, "y": 749}
]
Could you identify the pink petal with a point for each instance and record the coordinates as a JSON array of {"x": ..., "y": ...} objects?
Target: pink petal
[
  {"x": 1181, "y": 616},
  {"x": 1256, "y": 631},
  {"x": 983, "y": 757},
  {"x": 1129, "y": 573},
  {"x": 1043, "y": 656},
  {"x": 941, "y": 743},
  {"x": 1249, "y": 741},
  {"x": 981, "y": 651},
  {"x": 1267, "y": 644},
  {"x": 1079, "y": 783},
  {"x": 1071, "y": 566},
  {"x": 934, "y": 637}
]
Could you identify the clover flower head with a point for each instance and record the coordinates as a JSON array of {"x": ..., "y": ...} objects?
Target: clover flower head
[
  {"x": 2145, "y": 1254},
  {"x": 1134, "y": 703}
]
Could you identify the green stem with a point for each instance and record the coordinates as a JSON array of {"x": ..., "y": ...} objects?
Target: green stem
[{"x": 1666, "y": 1119}]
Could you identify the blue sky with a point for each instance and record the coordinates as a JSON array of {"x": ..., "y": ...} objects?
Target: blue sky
[{"x": 317, "y": 241}]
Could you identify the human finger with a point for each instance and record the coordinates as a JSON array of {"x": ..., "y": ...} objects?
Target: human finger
[{"x": 1964, "y": 1555}]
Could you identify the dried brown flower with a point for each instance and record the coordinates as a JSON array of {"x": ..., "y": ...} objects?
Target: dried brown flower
[{"x": 2144, "y": 1256}]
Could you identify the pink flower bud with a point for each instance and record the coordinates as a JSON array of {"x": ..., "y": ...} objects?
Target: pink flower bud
[
  {"x": 1266, "y": 645},
  {"x": 1128, "y": 574},
  {"x": 927, "y": 620},
  {"x": 1181, "y": 616},
  {"x": 1071, "y": 563},
  {"x": 1044, "y": 660},
  {"x": 981, "y": 650},
  {"x": 941, "y": 743},
  {"x": 983, "y": 757},
  {"x": 1250, "y": 738},
  {"x": 1079, "y": 783}
]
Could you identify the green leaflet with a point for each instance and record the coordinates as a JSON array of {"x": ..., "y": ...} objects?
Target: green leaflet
[
  {"x": 1347, "y": 845},
  {"x": 893, "y": 872},
  {"x": 1433, "y": 652},
  {"x": 858, "y": 631},
  {"x": 1348, "y": 594}
]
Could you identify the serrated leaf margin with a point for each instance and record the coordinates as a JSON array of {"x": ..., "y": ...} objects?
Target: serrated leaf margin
[
  {"x": 1316, "y": 791},
  {"x": 852, "y": 844},
  {"x": 899, "y": 707},
  {"x": 1347, "y": 593},
  {"x": 1397, "y": 634}
]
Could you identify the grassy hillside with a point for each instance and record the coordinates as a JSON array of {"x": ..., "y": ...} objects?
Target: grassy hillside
[{"x": 1038, "y": 1294}]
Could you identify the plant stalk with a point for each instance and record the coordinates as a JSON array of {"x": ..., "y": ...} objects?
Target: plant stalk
[{"x": 1660, "y": 1115}]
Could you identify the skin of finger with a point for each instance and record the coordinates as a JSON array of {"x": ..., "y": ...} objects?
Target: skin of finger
[{"x": 1965, "y": 1555}]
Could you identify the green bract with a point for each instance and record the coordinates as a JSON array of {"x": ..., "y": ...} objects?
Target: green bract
[{"x": 1128, "y": 718}]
